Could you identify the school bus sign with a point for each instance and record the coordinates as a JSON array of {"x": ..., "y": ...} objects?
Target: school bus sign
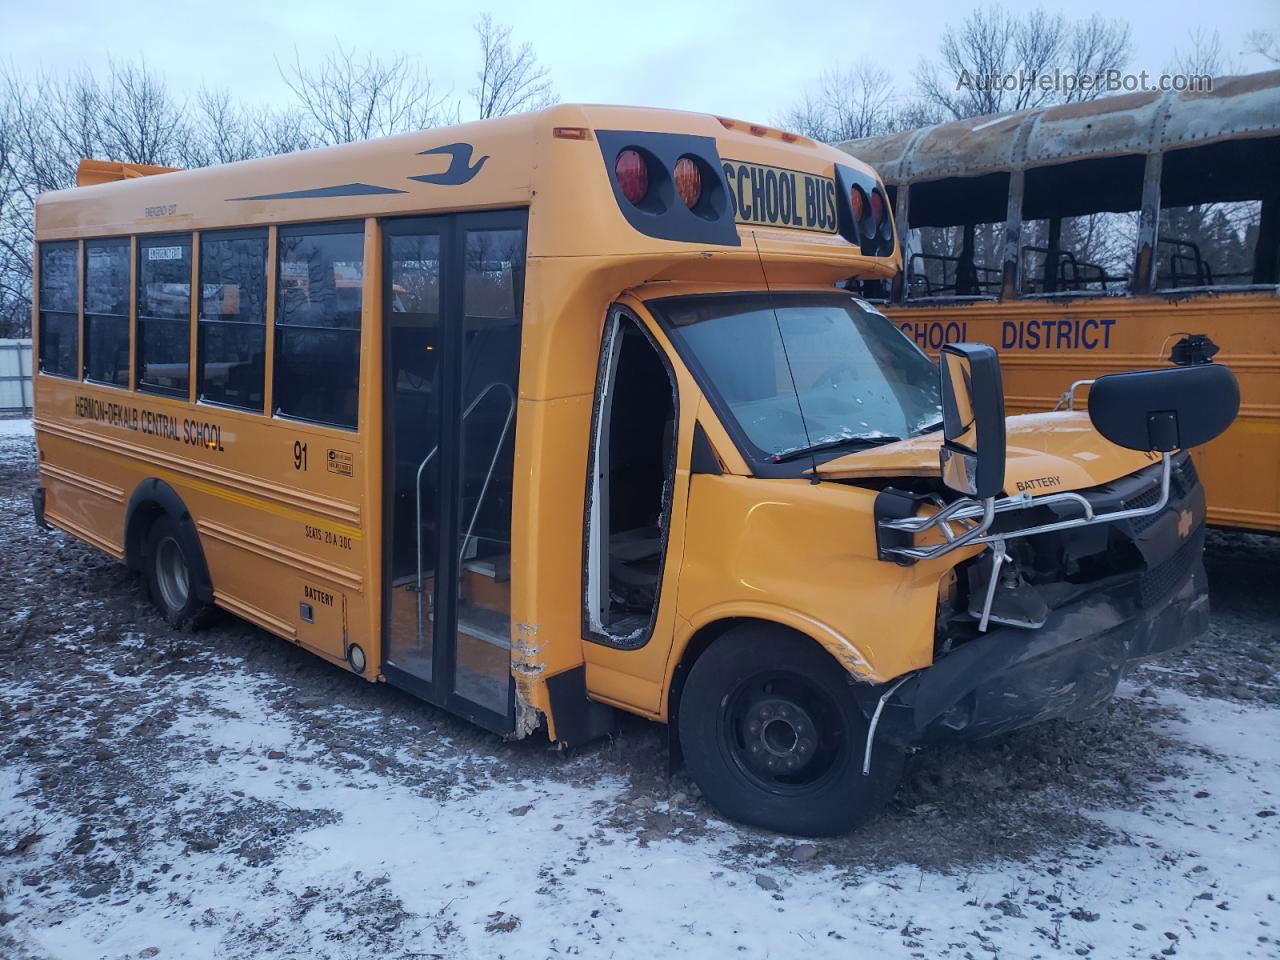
[{"x": 778, "y": 197}]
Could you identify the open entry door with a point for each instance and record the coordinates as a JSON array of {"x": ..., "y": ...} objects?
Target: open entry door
[{"x": 453, "y": 292}]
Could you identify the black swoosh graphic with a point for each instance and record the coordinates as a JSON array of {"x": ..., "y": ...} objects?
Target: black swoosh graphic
[
  {"x": 341, "y": 190},
  {"x": 460, "y": 169}
]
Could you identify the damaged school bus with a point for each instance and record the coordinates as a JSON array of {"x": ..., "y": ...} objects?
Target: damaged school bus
[{"x": 552, "y": 416}]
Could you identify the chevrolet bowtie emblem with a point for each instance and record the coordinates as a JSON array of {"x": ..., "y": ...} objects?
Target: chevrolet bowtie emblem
[{"x": 1184, "y": 524}]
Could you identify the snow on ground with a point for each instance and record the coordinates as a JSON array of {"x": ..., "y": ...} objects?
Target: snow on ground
[
  {"x": 15, "y": 441},
  {"x": 224, "y": 795}
]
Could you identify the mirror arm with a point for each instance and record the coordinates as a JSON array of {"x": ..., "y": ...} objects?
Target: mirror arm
[{"x": 1068, "y": 399}]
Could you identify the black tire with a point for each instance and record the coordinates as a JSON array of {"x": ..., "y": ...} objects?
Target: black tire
[
  {"x": 772, "y": 735},
  {"x": 171, "y": 578}
]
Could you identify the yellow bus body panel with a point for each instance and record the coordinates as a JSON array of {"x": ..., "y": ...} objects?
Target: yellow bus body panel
[{"x": 1088, "y": 337}]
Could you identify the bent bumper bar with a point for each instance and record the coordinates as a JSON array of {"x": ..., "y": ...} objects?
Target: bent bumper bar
[{"x": 1066, "y": 669}]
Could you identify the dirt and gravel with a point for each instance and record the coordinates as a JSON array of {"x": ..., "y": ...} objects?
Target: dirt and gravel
[{"x": 132, "y": 792}]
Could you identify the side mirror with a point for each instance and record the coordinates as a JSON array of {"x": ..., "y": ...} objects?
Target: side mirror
[
  {"x": 972, "y": 455},
  {"x": 1165, "y": 410}
]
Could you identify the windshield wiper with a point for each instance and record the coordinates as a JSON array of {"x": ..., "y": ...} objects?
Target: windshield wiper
[
  {"x": 859, "y": 440},
  {"x": 931, "y": 427}
]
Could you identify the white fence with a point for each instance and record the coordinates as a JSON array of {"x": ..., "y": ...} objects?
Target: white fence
[{"x": 15, "y": 378}]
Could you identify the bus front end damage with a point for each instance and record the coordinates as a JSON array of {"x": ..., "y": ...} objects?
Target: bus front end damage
[
  {"x": 1071, "y": 613},
  {"x": 1067, "y": 591}
]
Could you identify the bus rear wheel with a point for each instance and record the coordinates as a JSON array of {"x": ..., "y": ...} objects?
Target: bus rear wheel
[
  {"x": 170, "y": 580},
  {"x": 773, "y": 737}
]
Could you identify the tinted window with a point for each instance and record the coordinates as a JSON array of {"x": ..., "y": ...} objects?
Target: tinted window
[
  {"x": 59, "y": 308},
  {"x": 317, "y": 361},
  {"x": 106, "y": 311},
  {"x": 164, "y": 314},
  {"x": 233, "y": 317}
]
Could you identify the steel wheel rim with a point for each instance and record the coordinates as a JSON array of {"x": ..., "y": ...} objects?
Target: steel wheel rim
[
  {"x": 783, "y": 732},
  {"x": 172, "y": 575}
]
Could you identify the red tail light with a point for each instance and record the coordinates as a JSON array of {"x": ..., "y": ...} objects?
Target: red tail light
[
  {"x": 688, "y": 181},
  {"x": 632, "y": 174},
  {"x": 877, "y": 207},
  {"x": 858, "y": 204}
]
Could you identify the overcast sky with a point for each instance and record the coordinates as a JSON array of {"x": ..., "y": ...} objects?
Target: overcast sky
[{"x": 748, "y": 59}]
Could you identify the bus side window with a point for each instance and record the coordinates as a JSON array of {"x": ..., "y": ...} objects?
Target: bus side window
[
  {"x": 164, "y": 315},
  {"x": 1219, "y": 215},
  {"x": 954, "y": 248},
  {"x": 233, "y": 317},
  {"x": 106, "y": 311},
  {"x": 59, "y": 308},
  {"x": 1080, "y": 226},
  {"x": 317, "y": 357}
]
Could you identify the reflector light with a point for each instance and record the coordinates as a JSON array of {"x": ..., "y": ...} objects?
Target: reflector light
[
  {"x": 789, "y": 138},
  {"x": 570, "y": 133},
  {"x": 759, "y": 131},
  {"x": 688, "y": 181},
  {"x": 877, "y": 207},
  {"x": 632, "y": 174},
  {"x": 858, "y": 203}
]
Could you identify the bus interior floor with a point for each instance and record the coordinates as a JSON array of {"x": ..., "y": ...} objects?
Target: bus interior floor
[{"x": 224, "y": 794}]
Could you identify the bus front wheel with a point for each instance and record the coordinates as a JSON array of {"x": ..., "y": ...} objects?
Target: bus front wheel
[
  {"x": 773, "y": 737},
  {"x": 170, "y": 579}
]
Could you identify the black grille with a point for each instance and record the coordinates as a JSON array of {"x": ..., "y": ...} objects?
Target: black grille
[
  {"x": 1158, "y": 582},
  {"x": 1181, "y": 483},
  {"x": 1143, "y": 500},
  {"x": 1187, "y": 475}
]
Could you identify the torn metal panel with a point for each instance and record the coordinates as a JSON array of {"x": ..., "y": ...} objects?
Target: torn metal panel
[
  {"x": 1238, "y": 106},
  {"x": 1137, "y": 123}
]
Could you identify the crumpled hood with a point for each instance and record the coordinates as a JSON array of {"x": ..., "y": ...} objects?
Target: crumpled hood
[{"x": 1046, "y": 453}]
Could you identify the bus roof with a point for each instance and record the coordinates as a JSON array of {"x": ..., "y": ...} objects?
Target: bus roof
[
  {"x": 554, "y": 155},
  {"x": 1134, "y": 123}
]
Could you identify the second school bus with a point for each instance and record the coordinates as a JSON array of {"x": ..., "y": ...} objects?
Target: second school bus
[{"x": 544, "y": 417}]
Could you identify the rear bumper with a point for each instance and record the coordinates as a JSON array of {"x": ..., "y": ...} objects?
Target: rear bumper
[{"x": 1012, "y": 677}]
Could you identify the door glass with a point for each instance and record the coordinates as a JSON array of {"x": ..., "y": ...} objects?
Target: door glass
[
  {"x": 492, "y": 295},
  {"x": 413, "y": 366}
]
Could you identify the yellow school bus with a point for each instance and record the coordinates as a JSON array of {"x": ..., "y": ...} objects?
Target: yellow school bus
[
  {"x": 1094, "y": 237},
  {"x": 552, "y": 416}
]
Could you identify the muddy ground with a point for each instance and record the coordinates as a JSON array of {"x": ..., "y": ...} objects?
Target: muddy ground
[{"x": 92, "y": 682}]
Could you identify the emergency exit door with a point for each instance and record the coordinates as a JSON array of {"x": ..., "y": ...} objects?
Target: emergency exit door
[{"x": 453, "y": 288}]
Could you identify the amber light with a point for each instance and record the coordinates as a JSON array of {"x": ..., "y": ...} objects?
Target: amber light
[
  {"x": 877, "y": 207},
  {"x": 632, "y": 174},
  {"x": 570, "y": 133},
  {"x": 858, "y": 201},
  {"x": 688, "y": 181}
]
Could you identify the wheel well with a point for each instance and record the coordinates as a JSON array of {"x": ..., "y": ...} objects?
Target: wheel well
[
  {"x": 152, "y": 499},
  {"x": 698, "y": 644},
  {"x": 137, "y": 526}
]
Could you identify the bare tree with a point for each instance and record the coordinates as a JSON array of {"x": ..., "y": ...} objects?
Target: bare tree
[
  {"x": 510, "y": 79},
  {"x": 281, "y": 131},
  {"x": 1265, "y": 43},
  {"x": 846, "y": 104},
  {"x": 993, "y": 62},
  {"x": 139, "y": 119},
  {"x": 347, "y": 98},
  {"x": 220, "y": 131},
  {"x": 1203, "y": 56}
]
